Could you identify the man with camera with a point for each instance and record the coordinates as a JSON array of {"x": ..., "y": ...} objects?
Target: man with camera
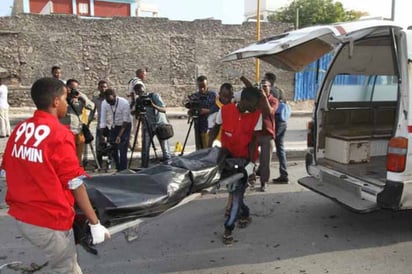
[
  {"x": 77, "y": 102},
  {"x": 150, "y": 112},
  {"x": 117, "y": 110},
  {"x": 199, "y": 106},
  {"x": 140, "y": 77}
]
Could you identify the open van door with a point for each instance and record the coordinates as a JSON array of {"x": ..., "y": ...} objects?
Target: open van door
[
  {"x": 359, "y": 108},
  {"x": 294, "y": 50}
]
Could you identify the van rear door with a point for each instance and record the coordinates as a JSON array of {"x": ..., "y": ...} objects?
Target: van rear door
[{"x": 294, "y": 50}]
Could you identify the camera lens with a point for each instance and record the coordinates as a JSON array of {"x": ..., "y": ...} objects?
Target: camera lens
[{"x": 74, "y": 92}]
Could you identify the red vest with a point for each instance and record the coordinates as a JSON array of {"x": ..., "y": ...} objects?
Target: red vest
[
  {"x": 40, "y": 158},
  {"x": 237, "y": 131}
]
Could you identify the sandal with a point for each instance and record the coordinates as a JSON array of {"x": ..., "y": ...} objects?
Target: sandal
[
  {"x": 227, "y": 237},
  {"x": 244, "y": 222}
]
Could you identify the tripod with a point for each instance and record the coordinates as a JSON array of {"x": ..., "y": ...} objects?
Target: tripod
[
  {"x": 85, "y": 153},
  {"x": 142, "y": 120},
  {"x": 192, "y": 121}
]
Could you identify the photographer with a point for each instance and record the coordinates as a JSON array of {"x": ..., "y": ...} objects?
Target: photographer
[
  {"x": 151, "y": 108},
  {"x": 199, "y": 106},
  {"x": 117, "y": 110},
  {"x": 77, "y": 103},
  {"x": 140, "y": 78}
]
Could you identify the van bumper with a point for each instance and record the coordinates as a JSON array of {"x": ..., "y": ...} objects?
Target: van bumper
[{"x": 390, "y": 196}]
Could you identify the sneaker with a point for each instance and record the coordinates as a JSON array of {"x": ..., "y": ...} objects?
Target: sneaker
[
  {"x": 280, "y": 180},
  {"x": 244, "y": 222},
  {"x": 227, "y": 237}
]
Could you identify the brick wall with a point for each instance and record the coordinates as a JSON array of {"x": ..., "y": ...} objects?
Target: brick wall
[{"x": 176, "y": 52}]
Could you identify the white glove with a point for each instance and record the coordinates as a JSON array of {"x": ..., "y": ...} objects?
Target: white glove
[
  {"x": 99, "y": 233},
  {"x": 249, "y": 168}
]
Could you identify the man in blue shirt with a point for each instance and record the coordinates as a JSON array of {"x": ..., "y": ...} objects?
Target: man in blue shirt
[
  {"x": 206, "y": 99},
  {"x": 153, "y": 115}
]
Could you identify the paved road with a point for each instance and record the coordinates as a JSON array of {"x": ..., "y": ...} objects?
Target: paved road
[{"x": 294, "y": 231}]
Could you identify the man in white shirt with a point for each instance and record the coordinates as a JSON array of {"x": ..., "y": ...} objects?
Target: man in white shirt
[
  {"x": 117, "y": 109},
  {"x": 4, "y": 111}
]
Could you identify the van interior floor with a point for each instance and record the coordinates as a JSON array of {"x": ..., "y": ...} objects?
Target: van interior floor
[{"x": 373, "y": 171}]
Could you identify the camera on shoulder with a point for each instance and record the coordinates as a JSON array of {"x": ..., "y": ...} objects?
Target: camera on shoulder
[{"x": 74, "y": 92}]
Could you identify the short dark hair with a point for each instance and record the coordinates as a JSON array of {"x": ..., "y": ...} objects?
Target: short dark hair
[
  {"x": 201, "y": 78},
  {"x": 109, "y": 92},
  {"x": 271, "y": 77},
  {"x": 101, "y": 82},
  {"x": 44, "y": 90},
  {"x": 227, "y": 86},
  {"x": 250, "y": 94},
  {"x": 68, "y": 82},
  {"x": 141, "y": 70},
  {"x": 54, "y": 68}
]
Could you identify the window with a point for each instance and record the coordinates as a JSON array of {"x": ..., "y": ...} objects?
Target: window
[
  {"x": 83, "y": 8},
  {"x": 363, "y": 88}
]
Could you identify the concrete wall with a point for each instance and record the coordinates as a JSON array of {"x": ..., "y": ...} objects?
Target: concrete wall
[{"x": 176, "y": 52}]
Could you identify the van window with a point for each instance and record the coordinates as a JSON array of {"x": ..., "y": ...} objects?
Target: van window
[{"x": 364, "y": 88}]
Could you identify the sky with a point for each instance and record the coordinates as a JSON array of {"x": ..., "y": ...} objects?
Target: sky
[{"x": 232, "y": 11}]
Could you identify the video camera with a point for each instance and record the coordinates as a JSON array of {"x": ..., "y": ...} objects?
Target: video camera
[
  {"x": 106, "y": 149},
  {"x": 74, "y": 92},
  {"x": 142, "y": 102},
  {"x": 194, "y": 104}
]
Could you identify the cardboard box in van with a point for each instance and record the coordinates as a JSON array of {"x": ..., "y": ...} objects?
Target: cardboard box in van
[{"x": 360, "y": 136}]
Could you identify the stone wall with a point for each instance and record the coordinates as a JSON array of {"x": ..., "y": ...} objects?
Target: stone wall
[{"x": 176, "y": 52}]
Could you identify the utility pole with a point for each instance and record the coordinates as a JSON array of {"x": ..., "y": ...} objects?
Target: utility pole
[
  {"x": 257, "y": 39},
  {"x": 393, "y": 10},
  {"x": 297, "y": 19}
]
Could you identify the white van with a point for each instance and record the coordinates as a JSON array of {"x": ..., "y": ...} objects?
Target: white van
[{"x": 360, "y": 137}]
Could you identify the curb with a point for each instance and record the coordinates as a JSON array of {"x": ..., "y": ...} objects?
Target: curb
[
  {"x": 183, "y": 115},
  {"x": 172, "y": 113}
]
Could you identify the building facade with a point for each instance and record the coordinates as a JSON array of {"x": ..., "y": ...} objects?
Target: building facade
[
  {"x": 86, "y": 8},
  {"x": 267, "y": 7}
]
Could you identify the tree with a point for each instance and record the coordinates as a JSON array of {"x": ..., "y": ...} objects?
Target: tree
[{"x": 314, "y": 12}]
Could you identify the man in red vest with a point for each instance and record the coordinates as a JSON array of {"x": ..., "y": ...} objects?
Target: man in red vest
[
  {"x": 239, "y": 124},
  {"x": 44, "y": 180}
]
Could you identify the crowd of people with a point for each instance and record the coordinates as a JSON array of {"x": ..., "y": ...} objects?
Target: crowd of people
[
  {"x": 245, "y": 124},
  {"x": 124, "y": 124}
]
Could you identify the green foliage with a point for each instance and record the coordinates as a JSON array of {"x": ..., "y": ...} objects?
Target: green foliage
[{"x": 314, "y": 12}]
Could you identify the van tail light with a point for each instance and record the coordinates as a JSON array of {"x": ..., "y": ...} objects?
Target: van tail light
[
  {"x": 310, "y": 140},
  {"x": 396, "y": 157}
]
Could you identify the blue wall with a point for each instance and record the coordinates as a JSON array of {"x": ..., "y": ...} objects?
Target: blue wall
[{"x": 308, "y": 80}]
